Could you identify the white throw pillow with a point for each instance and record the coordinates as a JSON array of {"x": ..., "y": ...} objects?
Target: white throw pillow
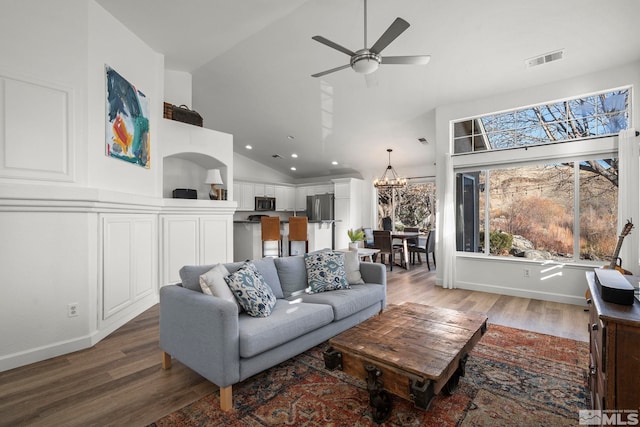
[
  {"x": 352, "y": 268},
  {"x": 212, "y": 283}
]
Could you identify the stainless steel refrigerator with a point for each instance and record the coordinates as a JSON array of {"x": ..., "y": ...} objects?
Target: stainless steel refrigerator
[{"x": 321, "y": 207}]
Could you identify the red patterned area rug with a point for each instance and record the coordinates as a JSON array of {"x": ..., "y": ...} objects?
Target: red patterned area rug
[{"x": 513, "y": 378}]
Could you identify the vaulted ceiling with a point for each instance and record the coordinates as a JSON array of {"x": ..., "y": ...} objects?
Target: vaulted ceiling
[{"x": 252, "y": 61}]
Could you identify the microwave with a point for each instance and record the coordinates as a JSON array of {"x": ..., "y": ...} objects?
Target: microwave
[{"x": 265, "y": 203}]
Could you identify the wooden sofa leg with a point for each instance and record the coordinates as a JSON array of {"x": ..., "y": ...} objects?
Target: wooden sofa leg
[
  {"x": 166, "y": 360},
  {"x": 226, "y": 399}
]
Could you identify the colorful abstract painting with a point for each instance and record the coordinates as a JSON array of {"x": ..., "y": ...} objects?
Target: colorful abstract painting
[{"x": 127, "y": 121}]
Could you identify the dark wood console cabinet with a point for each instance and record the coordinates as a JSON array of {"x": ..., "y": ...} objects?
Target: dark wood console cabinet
[{"x": 614, "y": 359}]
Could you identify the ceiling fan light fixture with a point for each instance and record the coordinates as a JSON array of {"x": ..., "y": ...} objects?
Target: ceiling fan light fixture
[{"x": 365, "y": 62}]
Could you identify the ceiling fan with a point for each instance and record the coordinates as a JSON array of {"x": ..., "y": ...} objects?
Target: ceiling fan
[{"x": 367, "y": 60}]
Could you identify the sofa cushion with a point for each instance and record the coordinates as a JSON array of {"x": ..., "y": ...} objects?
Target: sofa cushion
[
  {"x": 213, "y": 283},
  {"x": 288, "y": 320},
  {"x": 325, "y": 271},
  {"x": 251, "y": 291},
  {"x": 292, "y": 273},
  {"x": 346, "y": 302},
  {"x": 190, "y": 275},
  {"x": 352, "y": 268},
  {"x": 267, "y": 268}
]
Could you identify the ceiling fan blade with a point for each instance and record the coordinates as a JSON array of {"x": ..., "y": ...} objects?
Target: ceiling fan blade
[
  {"x": 395, "y": 29},
  {"x": 333, "y": 45},
  {"x": 333, "y": 70},
  {"x": 412, "y": 60}
]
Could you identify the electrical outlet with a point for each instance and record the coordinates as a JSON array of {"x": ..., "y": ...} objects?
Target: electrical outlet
[
  {"x": 72, "y": 309},
  {"x": 526, "y": 272}
]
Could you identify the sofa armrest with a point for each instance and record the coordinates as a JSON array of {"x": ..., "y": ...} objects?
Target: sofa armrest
[
  {"x": 202, "y": 332},
  {"x": 373, "y": 272}
]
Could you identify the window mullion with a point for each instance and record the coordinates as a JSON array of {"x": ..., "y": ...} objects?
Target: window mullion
[
  {"x": 487, "y": 229},
  {"x": 576, "y": 211}
]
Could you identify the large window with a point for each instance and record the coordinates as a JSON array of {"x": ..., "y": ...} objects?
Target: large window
[
  {"x": 536, "y": 211},
  {"x": 556, "y": 203},
  {"x": 597, "y": 115},
  {"x": 411, "y": 206}
]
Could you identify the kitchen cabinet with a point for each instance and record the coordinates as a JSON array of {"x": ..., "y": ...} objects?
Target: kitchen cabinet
[
  {"x": 285, "y": 198},
  {"x": 244, "y": 195},
  {"x": 301, "y": 198}
]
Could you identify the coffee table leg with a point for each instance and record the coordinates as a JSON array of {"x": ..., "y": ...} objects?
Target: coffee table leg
[
  {"x": 332, "y": 359},
  {"x": 379, "y": 399},
  {"x": 452, "y": 384},
  {"x": 422, "y": 394}
]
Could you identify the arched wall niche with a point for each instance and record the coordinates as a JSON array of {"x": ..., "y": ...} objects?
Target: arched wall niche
[{"x": 188, "y": 170}]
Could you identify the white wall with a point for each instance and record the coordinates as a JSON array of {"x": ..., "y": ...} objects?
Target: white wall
[
  {"x": 177, "y": 88},
  {"x": 77, "y": 226},
  {"x": 111, "y": 43},
  {"x": 250, "y": 170},
  {"x": 506, "y": 276}
]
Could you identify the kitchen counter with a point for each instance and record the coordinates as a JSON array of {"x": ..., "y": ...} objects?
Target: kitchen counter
[{"x": 247, "y": 240}]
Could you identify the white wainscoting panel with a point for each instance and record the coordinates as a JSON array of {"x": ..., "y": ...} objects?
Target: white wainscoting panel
[
  {"x": 129, "y": 260},
  {"x": 180, "y": 245},
  {"x": 215, "y": 239},
  {"x": 117, "y": 265},
  {"x": 37, "y": 140}
]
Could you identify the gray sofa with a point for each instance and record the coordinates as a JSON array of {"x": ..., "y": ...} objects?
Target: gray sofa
[{"x": 208, "y": 335}]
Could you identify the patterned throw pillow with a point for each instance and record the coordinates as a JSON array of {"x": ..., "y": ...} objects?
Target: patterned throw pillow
[
  {"x": 325, "y": 271},
  {"x": 251, "y": 291}
]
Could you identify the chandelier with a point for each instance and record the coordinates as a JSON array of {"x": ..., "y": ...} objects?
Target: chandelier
[{"x": 389, "y": 178}]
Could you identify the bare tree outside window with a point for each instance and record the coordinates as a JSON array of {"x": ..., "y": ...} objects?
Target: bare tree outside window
[
  {"x": 414, "y": 206},
  {"x": 531, "y": 209}
]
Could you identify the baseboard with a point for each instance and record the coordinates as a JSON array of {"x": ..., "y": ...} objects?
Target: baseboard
[
  {"x": 61, "y": 348},
  {"x": 523, "y": 293},
  {"x": 39, "y": 354}
]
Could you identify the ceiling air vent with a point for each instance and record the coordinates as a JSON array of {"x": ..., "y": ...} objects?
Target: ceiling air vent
[{"x": 543, "y": 59}]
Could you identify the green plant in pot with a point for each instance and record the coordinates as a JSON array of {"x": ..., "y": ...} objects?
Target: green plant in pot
[{"x": 356, "y": 236}]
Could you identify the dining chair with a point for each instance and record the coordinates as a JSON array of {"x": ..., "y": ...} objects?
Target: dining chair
[
  {"x": 298, "y": 233},
  {"x": 386, "y": 223},
  {"x": 382, "y": 240},
  {"x": 412, "y": 242},
  {"x": 270, "y": 231},
  {"x": 368, "y": 237},
  {"x": 428, "y": 247}
]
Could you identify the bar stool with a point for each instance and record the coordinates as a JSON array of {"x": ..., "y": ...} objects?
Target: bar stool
[
  {"x": 270, "y": 234},
  {"x": 298, "y": 232}
]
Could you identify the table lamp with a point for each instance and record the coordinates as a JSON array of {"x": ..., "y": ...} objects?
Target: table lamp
[{"x": 213, "y": 178}]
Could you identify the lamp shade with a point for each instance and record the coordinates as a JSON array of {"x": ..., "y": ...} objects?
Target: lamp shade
[{"x": 213, "y": 177}]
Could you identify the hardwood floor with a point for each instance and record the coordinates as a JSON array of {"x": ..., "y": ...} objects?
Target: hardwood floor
[{"x": 119, "y": 381}]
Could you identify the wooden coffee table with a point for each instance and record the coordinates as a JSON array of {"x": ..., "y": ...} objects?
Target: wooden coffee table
[{"x": 411, "y": 350}]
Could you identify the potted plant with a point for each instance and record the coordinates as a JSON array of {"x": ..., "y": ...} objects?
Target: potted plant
[{"x": 356, "y": 236}]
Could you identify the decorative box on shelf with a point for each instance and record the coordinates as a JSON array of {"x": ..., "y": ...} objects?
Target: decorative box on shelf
[{"x": 182, "y": 113}]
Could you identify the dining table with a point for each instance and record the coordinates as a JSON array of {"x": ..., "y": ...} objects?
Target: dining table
[{"x": 405, "y": 236}]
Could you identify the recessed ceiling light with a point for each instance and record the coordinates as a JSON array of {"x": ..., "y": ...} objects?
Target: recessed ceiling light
[
  {"x": 334, "y": 163},
  {"x": 294, "y": 155},
  {"x": 293, "y": 168},
  {"x": 248, "y": 147}
]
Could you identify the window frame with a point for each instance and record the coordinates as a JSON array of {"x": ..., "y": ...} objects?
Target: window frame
[
  {"x": 476, "y": 121},
  {"x": 571, "y": 151}
]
